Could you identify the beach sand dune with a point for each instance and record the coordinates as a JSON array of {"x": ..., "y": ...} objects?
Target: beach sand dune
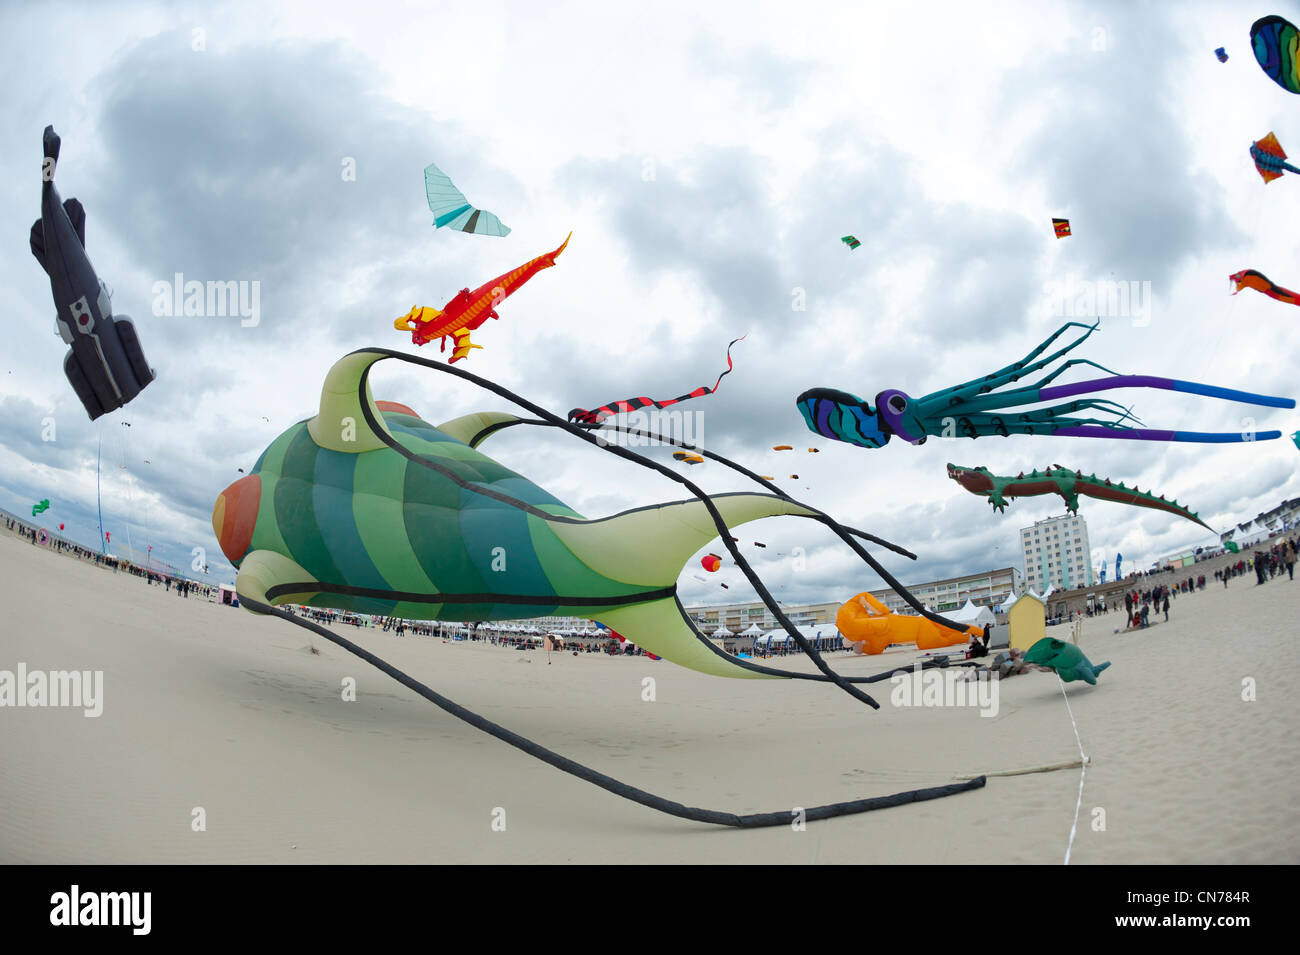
[{"x": 207, "y": 707}]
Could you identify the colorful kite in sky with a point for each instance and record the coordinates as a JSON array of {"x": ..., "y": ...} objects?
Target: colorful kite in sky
[
  {"x": 1268, "y": 156},
  {"x": 1276, "y": 43},
  {"x": 41, "y": 507},
  {"x": 687, "y": 457},
  {"x": 468, "y": 310},
  {"x": 451, "y": 208},
  {"x": 973, "y": 409},
  {"x": 105, "y": 364},
  {"x": 584, "y": 416},
  {"x": 1058, "y": 480},
  {"x": 1260, "y": 283},
  {"x": 1062, "y": 227},
  {"x": 850, "y": 241},
  {"x": 1222, "y": 54}
]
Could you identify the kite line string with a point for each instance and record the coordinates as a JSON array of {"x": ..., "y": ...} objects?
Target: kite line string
[
  {"x": 1083, "y": 769},
  {"x": 608, "y": 783}
]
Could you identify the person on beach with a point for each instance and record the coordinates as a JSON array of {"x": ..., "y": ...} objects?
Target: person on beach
[
  {"x": 1165, "y": 608},
  {"x": 1288, "y": 555}
]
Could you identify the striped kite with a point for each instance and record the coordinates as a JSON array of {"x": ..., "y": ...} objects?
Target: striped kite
[
  {"x": 1276, "y": 43},
  {"x": 584, "y": 416}
]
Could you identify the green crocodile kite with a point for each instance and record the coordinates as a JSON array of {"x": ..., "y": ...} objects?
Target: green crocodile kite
[
  {"x": 368, "y": 508},
  {"x": 1058, "y": 480}
]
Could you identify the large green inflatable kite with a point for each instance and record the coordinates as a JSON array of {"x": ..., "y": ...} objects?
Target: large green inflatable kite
[{"x": 332, "y": 516}]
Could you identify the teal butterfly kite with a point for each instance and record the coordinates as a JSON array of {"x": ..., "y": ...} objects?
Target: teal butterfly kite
[{"x": 450, "y": 207}]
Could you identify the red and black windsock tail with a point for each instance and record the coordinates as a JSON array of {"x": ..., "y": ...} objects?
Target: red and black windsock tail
[{"x": 583, "y": 416}]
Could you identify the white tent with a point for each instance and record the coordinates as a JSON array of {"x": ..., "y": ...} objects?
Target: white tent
[
  {"x": 1253, "y": 534},
  {"x": 1028, "y": 593},
  {"x": 721, "y": 632},
  {"x": 753, "y": 631},
  {"x": 971, "y": 615}
]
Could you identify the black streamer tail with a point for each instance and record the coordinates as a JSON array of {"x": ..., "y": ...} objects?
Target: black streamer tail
[{"x": 756, "y": 820}]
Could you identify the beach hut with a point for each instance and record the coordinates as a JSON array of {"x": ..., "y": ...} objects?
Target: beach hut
[{"x": 1028, "y": 620}]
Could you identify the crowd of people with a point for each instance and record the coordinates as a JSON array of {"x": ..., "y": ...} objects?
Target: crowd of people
[
  {"x": 1139, "y": 603},
  {"x": 152, "y": 576}
]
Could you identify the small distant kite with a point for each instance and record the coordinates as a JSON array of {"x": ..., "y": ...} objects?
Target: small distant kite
[
  {"x": 711, "y": 563},
  {"x": 850, "y": 241},
  {"x": 1268, "y": 155},
  {"x": 41, "y": 507},
  {"x": 1062, "y": 227},
  {"x": 450, "y": 207},
  {"x": 759, "y": 544},
  {"x": 688, "y": 458},
  {"x": 1260, "y": 283},
  {"x": 1295, "y": 439},
  {"x": 814, "y": 450},
  {"x": 1275, "y": 42},
  {"x": 782, "y": 447},
  {"x": 1222, "y": 54},
  {"x": 584, "y": 416}
]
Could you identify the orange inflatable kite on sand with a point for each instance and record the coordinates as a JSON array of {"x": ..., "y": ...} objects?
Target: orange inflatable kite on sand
[{"x": 870, "y": 626}]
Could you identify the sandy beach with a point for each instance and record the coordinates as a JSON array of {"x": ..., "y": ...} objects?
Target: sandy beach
[{"x": 208, "y": 706}]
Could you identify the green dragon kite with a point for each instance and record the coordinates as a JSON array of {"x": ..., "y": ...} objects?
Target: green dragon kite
[{"x": 1058, "y": 480}]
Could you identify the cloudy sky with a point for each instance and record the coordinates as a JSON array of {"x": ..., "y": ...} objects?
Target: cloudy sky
[{"x": 707, "y": 158}]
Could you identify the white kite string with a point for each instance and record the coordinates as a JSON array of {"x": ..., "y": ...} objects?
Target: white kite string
[{"x": 1083, "y": 769}]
